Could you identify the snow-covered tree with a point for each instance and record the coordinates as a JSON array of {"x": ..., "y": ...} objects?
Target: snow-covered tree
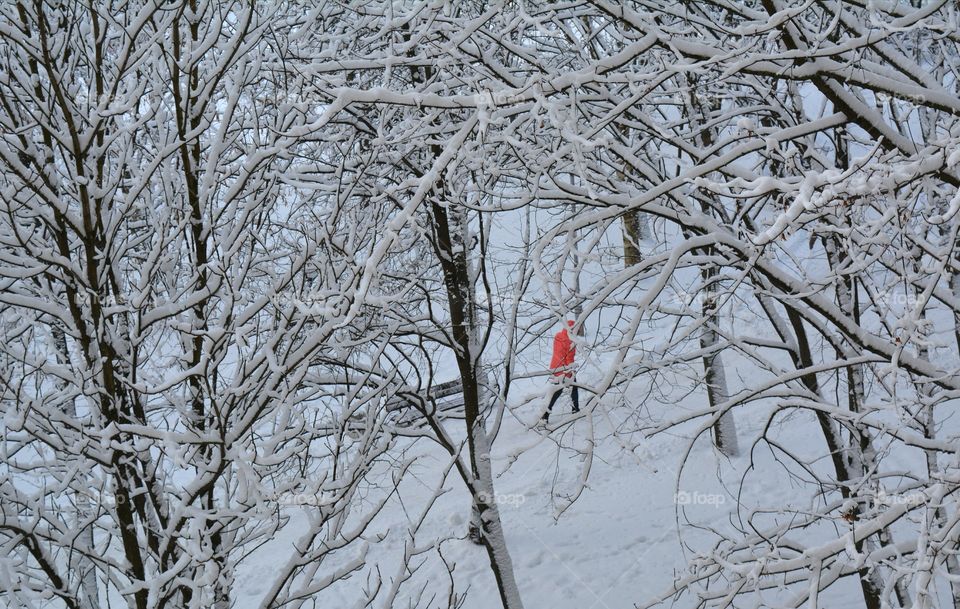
[
  {"x": 242, "y": 243},
  {"x": 174, "y": 292}
]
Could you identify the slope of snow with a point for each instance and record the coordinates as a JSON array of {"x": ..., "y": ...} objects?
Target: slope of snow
[{"x": 622, "y": 542}]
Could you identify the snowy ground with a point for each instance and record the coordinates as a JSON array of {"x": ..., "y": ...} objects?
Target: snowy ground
[
  {"x": 627, "y": 537},
  {"x": 617, "y": 545},
  {"x": 614, "y": 546}
]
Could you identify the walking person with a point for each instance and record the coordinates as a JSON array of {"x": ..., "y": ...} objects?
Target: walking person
[{"x": 564, "y": 353}]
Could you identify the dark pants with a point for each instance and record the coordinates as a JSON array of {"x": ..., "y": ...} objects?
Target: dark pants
[{"x": 556, "y": 396}]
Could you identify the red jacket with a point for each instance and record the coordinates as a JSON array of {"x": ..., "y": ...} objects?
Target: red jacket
[{"x": 563, "y": 353}]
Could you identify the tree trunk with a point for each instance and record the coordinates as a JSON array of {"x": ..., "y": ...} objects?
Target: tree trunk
[
  {"x": 871, "y": 585},
  {"x": 632, "y": 235},
  {"x": 80, "y": 563},
  {"x": 714, "y": 375},
  {"x": 715, "y": 378},
  {"x": 451, "y": 241}
]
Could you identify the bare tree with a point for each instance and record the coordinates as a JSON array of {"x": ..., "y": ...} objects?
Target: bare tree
[
  {"x": 159, "y": 369},
  {"x": 234, "y": 235}
]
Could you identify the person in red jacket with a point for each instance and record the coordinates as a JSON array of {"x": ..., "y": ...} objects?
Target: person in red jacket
[{"x": 564, "y": 352}]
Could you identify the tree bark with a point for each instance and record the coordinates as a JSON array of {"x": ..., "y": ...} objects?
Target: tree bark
[{"x": 450, "y": 228}]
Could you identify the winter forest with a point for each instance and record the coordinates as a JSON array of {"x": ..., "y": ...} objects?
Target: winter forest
[{"x": 469, "y": 304}]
